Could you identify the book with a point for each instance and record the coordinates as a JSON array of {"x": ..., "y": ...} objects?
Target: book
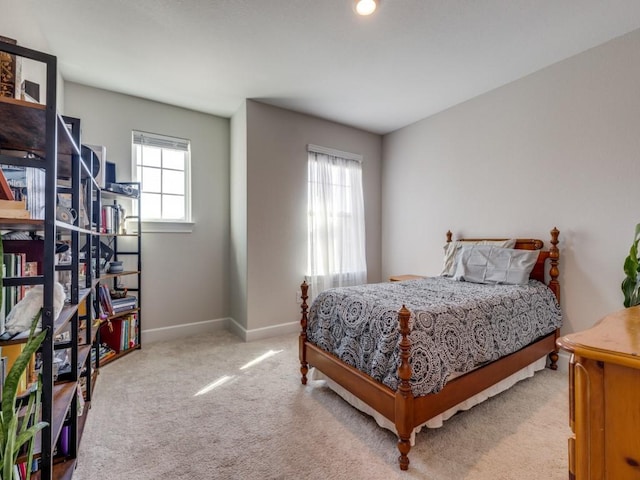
[
  {"x": 120, "y": 333},
  {"x": 105, "y": 299},
  {"x": 33, "y": 248},
  {"x": 3, "y": 372},
  {"x": 123, "y": 304},
  {"x": 3, "y": 313},
  {"x": 10, "y": 293},
  {"x": 105, "y": 353},
  {"x": 21, "y": 261},
  {"x": 28, "y": 184},
  {"x": 30, "y": 269},
  {"x": 11, "y": 352}
]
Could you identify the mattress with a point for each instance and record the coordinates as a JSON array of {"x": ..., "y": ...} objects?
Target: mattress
[{"x": 455, "y": 326}]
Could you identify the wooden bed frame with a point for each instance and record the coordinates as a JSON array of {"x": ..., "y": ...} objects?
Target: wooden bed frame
[{"x": 400, "y": 406}]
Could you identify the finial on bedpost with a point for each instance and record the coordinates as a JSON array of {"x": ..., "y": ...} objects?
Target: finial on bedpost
[
  {"x": 554, "y": 285},
  {"x": 449, "y": 235},
  {"x": 302, "y": 347},
  {"x": 404, "y": 396}
]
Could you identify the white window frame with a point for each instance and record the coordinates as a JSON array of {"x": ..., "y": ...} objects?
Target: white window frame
[{"x": 173, "y": 143}]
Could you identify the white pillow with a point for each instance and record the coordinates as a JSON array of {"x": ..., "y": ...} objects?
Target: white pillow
[
  {"x": 451, "y": 249},
  {"x": 489, "y": 264}
]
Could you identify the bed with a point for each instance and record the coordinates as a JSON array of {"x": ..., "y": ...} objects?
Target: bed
[{"x": 401, "y": 387}]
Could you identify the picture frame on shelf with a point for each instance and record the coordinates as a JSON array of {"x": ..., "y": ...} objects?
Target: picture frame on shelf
[
  {"x": 8, "y": 70},
  {"x": 96, "y": 158}
]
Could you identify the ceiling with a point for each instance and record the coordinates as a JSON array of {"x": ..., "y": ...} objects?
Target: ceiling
[{"x": 409, "y": 60}]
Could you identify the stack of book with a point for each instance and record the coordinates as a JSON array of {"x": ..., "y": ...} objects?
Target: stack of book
[
  {"x": 113, "y": 306},
  {"x": 106, "y": 353},
  {"x": 123, "y": 304}
]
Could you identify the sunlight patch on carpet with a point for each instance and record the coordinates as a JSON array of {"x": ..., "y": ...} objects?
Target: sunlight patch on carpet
[
  {"x": 261, "y": 358},
  {"x": 221, "y": 381}
]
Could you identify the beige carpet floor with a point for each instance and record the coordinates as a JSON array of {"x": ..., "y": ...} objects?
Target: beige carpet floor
[{"x": 193, "y": 409}]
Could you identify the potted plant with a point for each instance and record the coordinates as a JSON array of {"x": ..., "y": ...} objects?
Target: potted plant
[
  {"x": 631, "y": 283},
  {"x": 19, "y": 420}
]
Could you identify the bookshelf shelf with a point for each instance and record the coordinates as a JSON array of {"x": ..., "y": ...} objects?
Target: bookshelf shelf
[
  {"x": 119, "y": 355},
  {"x": 25, "y": 131},
  {"x": 61, "y": 470},
  {"x": 121, "y": 322},
  {"x": 22, "y": 224},
  {"x": 64, "y": 470},
  {"x": 106, "y": 276},
  {"x": 63, "y": 394},
  {"x": 122, "y": 314},
  {"x": 83, "y": 353},
  {"x": 66, "y": 315}
]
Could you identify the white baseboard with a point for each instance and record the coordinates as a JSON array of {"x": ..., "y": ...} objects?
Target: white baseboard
[
  {"x": 188, "y": 329},
  {"x": 183, "y": 330},
  {"x": 262, "y": 333}
]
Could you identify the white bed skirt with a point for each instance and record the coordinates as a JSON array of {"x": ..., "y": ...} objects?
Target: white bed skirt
[{"x": 438, "y": 420}]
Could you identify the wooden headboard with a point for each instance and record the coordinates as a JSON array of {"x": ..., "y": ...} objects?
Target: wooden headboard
[{"x": 553, "y": 254}]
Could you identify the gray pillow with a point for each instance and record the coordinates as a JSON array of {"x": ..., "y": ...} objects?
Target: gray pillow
[
  {"x": 451, "y": 250},
  {"x": 490, "y": 264}
]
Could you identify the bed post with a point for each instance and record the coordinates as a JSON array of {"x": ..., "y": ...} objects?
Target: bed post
[
  {"x": 554, "y": 285},
  {"x": 449, "y": 235},
  {"x": 554, "y": 257},
  {"x": 302, "y": 348},
  {"x": 404, "y": 396}
]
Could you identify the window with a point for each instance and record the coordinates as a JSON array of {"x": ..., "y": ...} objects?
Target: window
[
  {"x": 162, "y": 168},
  {"x": 336, "y": 235}
]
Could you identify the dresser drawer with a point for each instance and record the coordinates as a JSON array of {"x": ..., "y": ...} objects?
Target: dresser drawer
[{"x": 572, "y": 394}]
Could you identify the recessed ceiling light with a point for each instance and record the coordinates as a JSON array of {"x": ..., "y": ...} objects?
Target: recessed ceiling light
[{"x": 366, "y": 7}]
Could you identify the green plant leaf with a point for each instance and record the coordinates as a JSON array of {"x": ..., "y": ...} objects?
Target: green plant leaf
[
  {"x": 38, "y": 394},
  {"x": 17, "y": 369},
  {"x": 628, "y": 286},
  {"x": 7, "y": 467},
  {"x": 631, "y": 284},
  {"x": 27, "y": 435},
  {"x": 10, "y": 424},
  {"x": 630, "y": 266}
]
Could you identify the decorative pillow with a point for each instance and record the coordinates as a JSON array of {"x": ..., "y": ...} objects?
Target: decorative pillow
[
  {"x": 490, "y": 264},
  {"x": 451, "y": 249}
]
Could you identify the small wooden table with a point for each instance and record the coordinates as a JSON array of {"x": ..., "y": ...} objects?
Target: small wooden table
[{"x": 402, "y": 278}]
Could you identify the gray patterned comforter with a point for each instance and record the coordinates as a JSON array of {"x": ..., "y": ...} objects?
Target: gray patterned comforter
[{"x": 455, "y": 326}]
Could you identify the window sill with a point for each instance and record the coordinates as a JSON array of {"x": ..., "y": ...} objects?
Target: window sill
[{"x": 159, "y": 226}]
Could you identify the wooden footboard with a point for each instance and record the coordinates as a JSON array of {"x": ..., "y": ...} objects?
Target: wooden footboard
[{"x": 401, "y": 407}]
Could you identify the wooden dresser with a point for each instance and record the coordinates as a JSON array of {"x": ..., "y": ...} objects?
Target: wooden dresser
[{"x": 604, "y": 398}]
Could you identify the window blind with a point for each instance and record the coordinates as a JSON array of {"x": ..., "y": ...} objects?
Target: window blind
[
  {"x": 160, "y": 141},
  {"x": 334, "y": 153}
]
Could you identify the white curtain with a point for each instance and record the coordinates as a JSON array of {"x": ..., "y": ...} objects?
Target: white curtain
[{"x": 336, "y": 223}]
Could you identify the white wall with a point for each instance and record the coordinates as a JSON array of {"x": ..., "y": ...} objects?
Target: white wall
[
  {"x": 238, "y": 219},
  {"x": 185, "y": 275},
  {"x": 560, "y": 147},
  {"x": 276, "y": 205}
]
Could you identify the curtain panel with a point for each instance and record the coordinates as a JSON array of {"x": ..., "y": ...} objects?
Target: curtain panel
[{"x": 336, "y": 236}]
